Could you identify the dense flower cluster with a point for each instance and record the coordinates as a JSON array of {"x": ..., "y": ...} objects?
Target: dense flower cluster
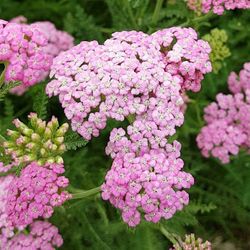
[
  {"x": 228, "y": 119},
  {"x": 191, "y": 243},
  {"x": 39, "y": 141},
  {"x": 217, "y": 6},
  {"x": 144, "y": 179},
  {"x": 21, "y": 49},
  {"x": 42, "y": 235},
  {"x": 35, "y": 193},
  {"x": 142, "y": 78},
  {"x": 57, "y": 41},
  {"x": 6, "y": 228},
  {"x": 217, "y": 40},
  {"x": 132, "y": 74}
]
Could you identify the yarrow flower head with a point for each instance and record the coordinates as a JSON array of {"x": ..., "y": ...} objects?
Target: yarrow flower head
[
  {"x": 132, "y": 74},
  {"x": 42, "y": 235},
  {"x": 57, "y": 41},
  {"x": 228, "y": 120},
  {"x": 6, "y": 228},
  {"x": 191, "y": 243},
  {"x": 145, "y": 180},
  {"x": 217, "y": 6},
  {"x": 36, "y": 192},
  {"x": 21, "y": 49},
  {"x": 40, "y": 141}
]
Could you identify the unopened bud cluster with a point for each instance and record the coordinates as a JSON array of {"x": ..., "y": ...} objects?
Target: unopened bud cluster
[
  {"x": 40, "y": 141},
  {"x": 191, "y": 243},
  {"x": 217, "y": 40}
]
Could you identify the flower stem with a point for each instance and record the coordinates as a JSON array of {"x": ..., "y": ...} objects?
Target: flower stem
[
  {"x": 156, "y": 13},
  {"x": 168, "y": 235},
  {"x": 84, "y": 194},
  {"x": 196, "y": 20},
  {"x": 2, "y": 76}
]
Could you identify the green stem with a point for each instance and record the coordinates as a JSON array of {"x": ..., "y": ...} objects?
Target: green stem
[
  {"x": 130, "y": 13},
  {"x": 131, "y": 118},
  {"x": 2, "y": 138},
  {"x": 84, "y": 194},
  {"x": 197, "y": 19},
  {"x": 168, "y": 235},
  {"x": 2, "y": 76},
  {"x": 156, "y": 13}
]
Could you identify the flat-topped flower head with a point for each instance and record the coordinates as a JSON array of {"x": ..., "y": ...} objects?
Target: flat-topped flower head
[
  {"x": 57, "y": 41},
  {"x": 217, "y": 6},
  {"x": 228, "y": 120},
  {"x": 21, "y": 48},
  {"x": 132, "y": 73},
  {"x": 40, "y": 141},
  {"x": 6, "y": 227},
  {"x": 36, "y": 192},
  {"x": 150, "y": 185},
  {"x": 41, "y": 235}
]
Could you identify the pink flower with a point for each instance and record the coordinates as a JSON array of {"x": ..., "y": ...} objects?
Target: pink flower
[{"x": 34, "y": 194}]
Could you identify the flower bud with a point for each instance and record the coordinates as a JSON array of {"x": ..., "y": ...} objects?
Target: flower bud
[
  {"x": 59, "y": 140},
  {"x": 62, "y": 130},
  {"x": 35, "y": 137}
]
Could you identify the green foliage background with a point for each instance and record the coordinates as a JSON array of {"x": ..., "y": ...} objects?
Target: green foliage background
[{"x": 220, "y": 198}]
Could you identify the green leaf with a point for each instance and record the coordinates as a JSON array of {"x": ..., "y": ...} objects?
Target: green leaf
[
  {"x": 74, "y": 141},
  {"x": 6, "y": 88}
]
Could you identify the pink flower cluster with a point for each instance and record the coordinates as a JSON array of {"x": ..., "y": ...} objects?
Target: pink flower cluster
[
  {"x": 144, "y": 179},
  {"x": 6, "y": 228},
  {"x": 132, "y": 74},
  {"x": 21, "y": 47},
  {"x": 217, "y": 6},
  {"x": 5, "y": 168},
  {"x": 228, "y": 120},
  {"x": 42, "y": 235},
  {"x": 142, "y": 78},
  {"x": 35, "y": 193},
  {"x": 57, "y": 41}
]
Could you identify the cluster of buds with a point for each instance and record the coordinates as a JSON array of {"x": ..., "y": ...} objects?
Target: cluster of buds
[
  {"x": 217, "y": 40},
  {"x": 42, "y": 142},
  {"x": 191, "y": 243},
  {"x": 228, "y": 120}
]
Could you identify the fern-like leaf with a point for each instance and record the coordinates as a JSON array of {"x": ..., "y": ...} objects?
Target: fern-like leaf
[
  {"x": 6, "y": 88},
  {"x": 74, "y": 141}
]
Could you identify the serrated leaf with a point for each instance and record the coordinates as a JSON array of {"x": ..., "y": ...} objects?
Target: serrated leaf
[
  {"x": 74, "y": 141},
  {"x": 6, "y": 88}
]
